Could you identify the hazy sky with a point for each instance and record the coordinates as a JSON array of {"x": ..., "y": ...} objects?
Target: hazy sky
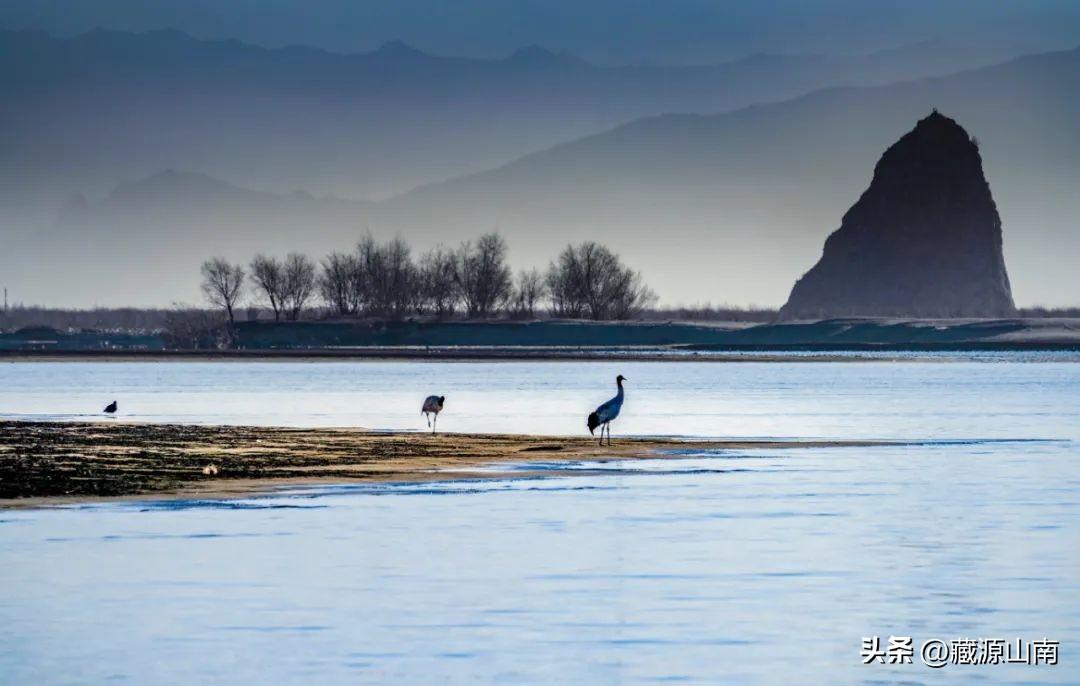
[{"x": 611, "y": 30}]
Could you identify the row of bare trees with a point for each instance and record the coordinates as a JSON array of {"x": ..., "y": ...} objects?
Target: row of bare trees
[
  {"x": 474, "y": 280},
  {"x": 383, "y": 280}
]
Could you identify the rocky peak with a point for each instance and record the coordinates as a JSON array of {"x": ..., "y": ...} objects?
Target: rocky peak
[{"x": 924, "y": 240}]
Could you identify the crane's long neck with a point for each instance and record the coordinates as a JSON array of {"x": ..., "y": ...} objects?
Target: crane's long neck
[{"x": 620, "y": 394}]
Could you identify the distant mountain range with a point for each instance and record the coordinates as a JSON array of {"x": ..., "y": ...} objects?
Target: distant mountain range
[
  {"x": 731, "y": 207},
  {"x": 608, "y": 31},
  {"x": 85, "y": 113},
  {"x": 144, "y": 242}
]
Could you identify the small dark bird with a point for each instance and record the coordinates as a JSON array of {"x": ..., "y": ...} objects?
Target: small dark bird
[
  {"x": 433, "y": 405},
  {"x": 607, "y": 412},
  {"x": 111, "y": 408}
]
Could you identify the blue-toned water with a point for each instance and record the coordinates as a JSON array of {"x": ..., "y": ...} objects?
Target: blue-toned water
[
  {"x": 757, "y": 567},
  {"x": 971, "y": 398}
]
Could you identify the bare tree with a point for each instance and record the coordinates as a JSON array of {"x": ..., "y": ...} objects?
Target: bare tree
[
  {"x": 337, "y": 283},
  {"x": 630, "y": 296},
  {"x": 299, "y": 277},
  {"x": 484, "y": 279},
  {"x": 590, "y": 280},
  {"x": 223, "y": 284},
  {"x": 528, "y": 292},
  {"x": 438, "y": 282},
  {"x": 566, "y": 285},
  {"x": 268, "y": 274},
  {"x": 367, "y": 278},
  {"x": 387, "y": 276},
  {"x": 400, "y": 278}
]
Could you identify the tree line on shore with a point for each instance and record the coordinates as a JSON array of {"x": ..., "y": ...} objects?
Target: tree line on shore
[{"x": 473, "y": 281}]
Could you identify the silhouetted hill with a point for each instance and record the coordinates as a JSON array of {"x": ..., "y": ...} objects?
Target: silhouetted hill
[{"x": 923, "y": 240}]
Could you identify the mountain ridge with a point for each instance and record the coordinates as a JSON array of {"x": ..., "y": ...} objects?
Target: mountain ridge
[{"x": 346, "y": 123}]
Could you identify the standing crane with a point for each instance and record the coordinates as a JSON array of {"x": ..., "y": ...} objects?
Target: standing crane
[
  {"x": 433, "y": 405},
  {"x": 606, "y": 413},
  {"x": 111, "y": 408}
]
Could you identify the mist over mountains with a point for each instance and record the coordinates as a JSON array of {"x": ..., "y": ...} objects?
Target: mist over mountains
[
  {"x": 729, "y": 207},
  {"x": 84, "y": 114}
]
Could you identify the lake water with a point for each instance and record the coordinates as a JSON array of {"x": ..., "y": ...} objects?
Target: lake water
[{"x": 757, "y": 567}]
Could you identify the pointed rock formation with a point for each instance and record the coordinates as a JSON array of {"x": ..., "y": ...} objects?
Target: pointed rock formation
[{"x": 924, "y": 240}]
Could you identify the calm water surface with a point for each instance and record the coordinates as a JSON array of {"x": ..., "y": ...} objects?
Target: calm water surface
[{"x": 760, "y": 567}]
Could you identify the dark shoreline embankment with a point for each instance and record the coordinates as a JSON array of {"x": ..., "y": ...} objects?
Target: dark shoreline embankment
[{"x": 572, "y": 339}]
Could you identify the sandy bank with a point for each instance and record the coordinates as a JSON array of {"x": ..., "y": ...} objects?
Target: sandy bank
[{"x": 52, "y": 463}]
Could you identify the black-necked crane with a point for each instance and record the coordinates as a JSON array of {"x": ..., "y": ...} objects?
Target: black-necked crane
[
  {"x": 606, "y": 413},
  {"x": 433, "y": 405},
  {"x": 111, "y": 408}
]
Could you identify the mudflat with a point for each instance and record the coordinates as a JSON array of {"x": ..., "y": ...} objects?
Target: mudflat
[{"x": 44, "y": 463}]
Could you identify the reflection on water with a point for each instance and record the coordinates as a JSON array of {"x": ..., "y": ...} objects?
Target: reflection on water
[{"x": 757, "y": 567}]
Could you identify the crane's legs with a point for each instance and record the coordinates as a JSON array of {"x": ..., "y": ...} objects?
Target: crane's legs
[
  {"x": 433, "y": 424},
  {"x": 608, "y": 427}
]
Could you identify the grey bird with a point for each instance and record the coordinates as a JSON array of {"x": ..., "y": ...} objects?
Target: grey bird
[
  {"x": 606, "y": 413},
  {"x": 433, "y": 405}
]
